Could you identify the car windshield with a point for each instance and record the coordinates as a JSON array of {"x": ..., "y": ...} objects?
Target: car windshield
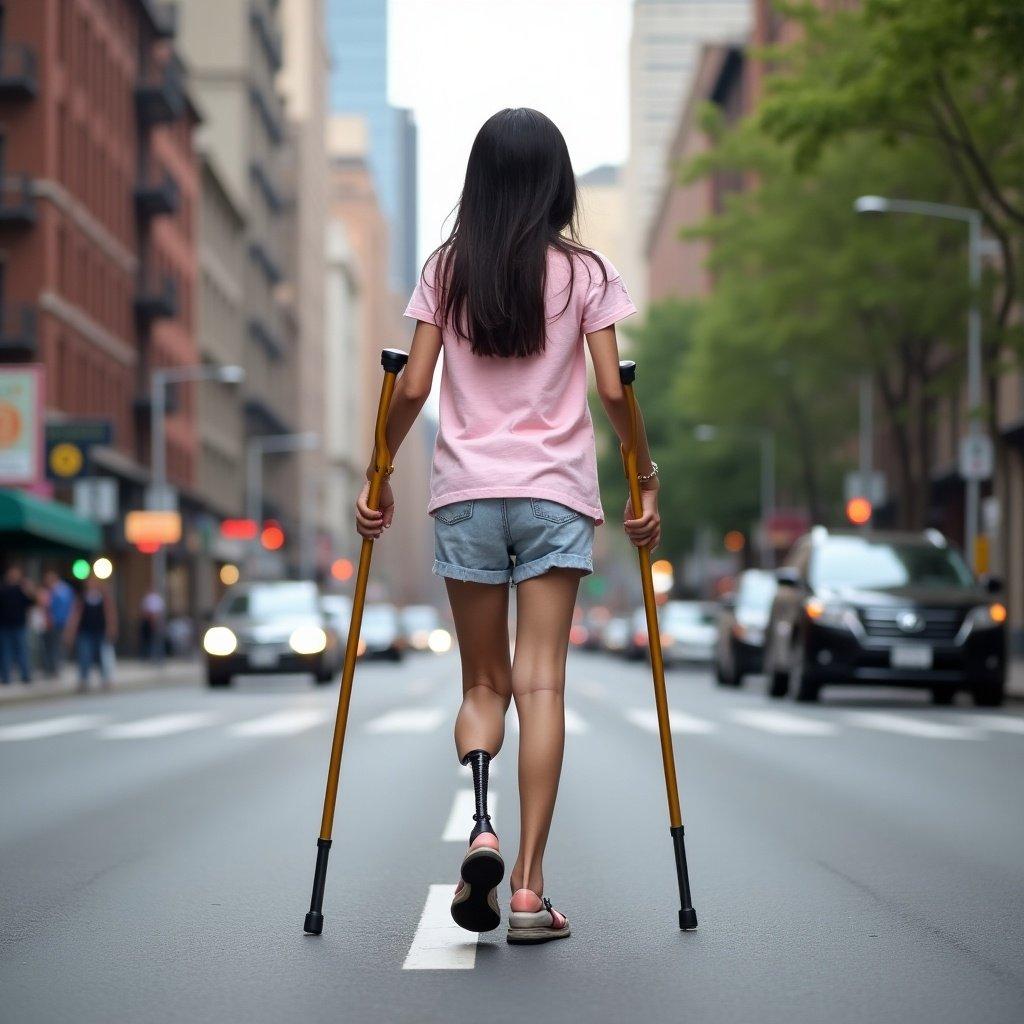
[
  {"x": 879, "y": 565},
  {"x": 379, "y": 614},
  {"x": 757, "y": 589},
  {"x": 272, "y": 602},
  {"x": 688, "y": 614}
]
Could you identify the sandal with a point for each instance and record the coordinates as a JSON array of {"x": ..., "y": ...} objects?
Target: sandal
[
  {"x": 475, "y": 906},
  {"x": 540, "y": 925}
]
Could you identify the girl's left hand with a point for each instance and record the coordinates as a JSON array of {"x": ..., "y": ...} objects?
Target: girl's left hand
[{"x": 370, "y": 523}]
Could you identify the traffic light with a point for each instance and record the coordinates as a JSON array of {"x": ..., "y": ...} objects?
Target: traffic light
[
  {"x": 858, "y": 511},
  {"x": 272, "y": 537},
  {"x": 734, "y": 542},
  {"x": 342, "y": 569}
]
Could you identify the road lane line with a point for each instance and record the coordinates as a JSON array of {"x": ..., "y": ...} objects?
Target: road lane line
[
  {"x": 783, "y": 724},
  {"x": 407, "y": 720},
  {"x": 907, "y": 726},
  {"x": 460, "y": 820},
  {"x": 439, "y": 943},
  {"x": 679, "y": 721},
  {"x": 49, "y": 727},
  {"x": 158, "y": 725},
  {"x": 282, "y": 723}
]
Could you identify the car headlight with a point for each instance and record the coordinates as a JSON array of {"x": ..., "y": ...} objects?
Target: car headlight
[
  {"x": 307, "y": 640},
  {"x": 987, "y": 616},
  {"x": 439, "y": 641},
  {"x": 219, "y": 641},
  {"x": 833, "y": 614}
]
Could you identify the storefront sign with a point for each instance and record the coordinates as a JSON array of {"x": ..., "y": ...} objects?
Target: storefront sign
[{"x": 21, "y": 425}]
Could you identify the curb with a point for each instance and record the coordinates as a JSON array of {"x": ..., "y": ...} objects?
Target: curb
[{"x": 127, "y": 677}]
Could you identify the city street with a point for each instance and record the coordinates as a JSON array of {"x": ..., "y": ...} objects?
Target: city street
[{"x": 857, "y": 860}]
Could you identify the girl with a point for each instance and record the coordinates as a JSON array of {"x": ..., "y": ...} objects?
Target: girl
[{"x": 509, "y": 296}]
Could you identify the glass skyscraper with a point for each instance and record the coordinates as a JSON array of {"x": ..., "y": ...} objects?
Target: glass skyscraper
[{"x": 357, "y": 34}]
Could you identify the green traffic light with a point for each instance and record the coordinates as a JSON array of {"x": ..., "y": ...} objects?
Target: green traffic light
[{"x": 80, "y": 569}]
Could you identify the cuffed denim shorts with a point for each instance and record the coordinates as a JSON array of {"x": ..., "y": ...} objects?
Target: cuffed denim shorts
[{"x": 498, "y": 540}]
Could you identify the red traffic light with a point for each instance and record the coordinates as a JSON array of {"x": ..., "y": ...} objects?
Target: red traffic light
[
  {"x": 342, "y": 569},
  {"x": 238, "y": 529},
  {"x": 858, "y": 511},
  {"x": 272, "y": 537}
]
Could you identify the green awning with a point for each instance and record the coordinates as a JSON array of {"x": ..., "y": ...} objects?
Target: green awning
[{"x": 33, "y": 525}]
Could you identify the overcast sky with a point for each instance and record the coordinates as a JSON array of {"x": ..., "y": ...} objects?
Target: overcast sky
[{"x": 456, "y": 62}]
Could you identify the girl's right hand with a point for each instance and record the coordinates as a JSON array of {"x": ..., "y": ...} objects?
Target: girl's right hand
[{"x": 645, "y": 531}]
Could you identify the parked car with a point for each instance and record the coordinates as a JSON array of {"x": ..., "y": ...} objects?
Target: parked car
[
  {"x": 688, "y": 631},
  {"x": 742, "y": 621},
  {"x": 615, "y": 637},
  {"x": 418, "y": 622},
  {"x": 381, "y": 632},
  {"x": 270, "y": 627},
  {"x": 885, "y": 608}
]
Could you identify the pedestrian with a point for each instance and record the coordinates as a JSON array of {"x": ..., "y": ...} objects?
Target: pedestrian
[
  {"x": 509, "y": 297},
  {"x": 92, "y": 628},
  {"x": 151, "y": 619},
  {"x": 58, "y": 601},
  {"x": 17, "y": 596}
]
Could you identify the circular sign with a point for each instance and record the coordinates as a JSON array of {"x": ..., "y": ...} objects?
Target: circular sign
[{"x": 66, "y": 459}]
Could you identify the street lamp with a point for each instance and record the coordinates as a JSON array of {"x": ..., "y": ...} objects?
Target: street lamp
[
  {"x": 159, "y": 498},
  {"x": 272, "y": 444},
  {"x": 766, "y": 440},
  {"x": 975, "y": 249}
]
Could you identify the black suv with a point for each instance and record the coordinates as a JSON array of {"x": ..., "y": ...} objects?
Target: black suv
[{"x": 873, "y": 608}]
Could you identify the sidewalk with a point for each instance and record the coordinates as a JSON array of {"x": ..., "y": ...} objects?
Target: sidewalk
[{"x": 131, "y": 674}]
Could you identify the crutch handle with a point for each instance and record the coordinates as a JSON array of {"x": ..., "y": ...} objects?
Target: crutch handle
[
  {"x": 627, "y": 371},
  {"x": 393, "y": 359}
]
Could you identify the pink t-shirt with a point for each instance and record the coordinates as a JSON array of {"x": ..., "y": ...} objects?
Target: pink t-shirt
[{"x": 521, "y": 428}]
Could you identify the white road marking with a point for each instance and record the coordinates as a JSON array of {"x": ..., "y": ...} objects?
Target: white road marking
[
  {"x": 158, "y": 725},
  {"x": 407, "y": 720},
  {"x": 282, "y": 723},
  {"x": 460, "y": 820},
  {"x": 574, "y": 724},
  {"x": 678, "y": 721},
  {"x": 782, "y": 723},
  {"x": 995, "y": 723},
  {"x": 439, "y": 943},
  {"x": 908, "y": 726},
  {"x": 49, "y": 727}
]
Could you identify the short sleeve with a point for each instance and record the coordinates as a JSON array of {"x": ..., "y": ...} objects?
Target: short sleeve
[
  {"x": 604, "y": 304},
  {"x": 423, "y": 302}
]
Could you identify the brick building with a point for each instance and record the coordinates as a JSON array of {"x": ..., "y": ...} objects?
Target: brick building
[{"x": 97, "y": 228}]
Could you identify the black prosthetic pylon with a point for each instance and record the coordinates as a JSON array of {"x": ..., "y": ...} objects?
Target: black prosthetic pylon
[{"x": 480, "y": 761}]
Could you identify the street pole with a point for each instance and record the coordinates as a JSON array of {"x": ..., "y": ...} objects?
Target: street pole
[
  {"x": 867, "y": 436},
  {"x": 767, "y": 496},
  {"x": 158, "y": 466},
  {"x": 975, "y": 247}
]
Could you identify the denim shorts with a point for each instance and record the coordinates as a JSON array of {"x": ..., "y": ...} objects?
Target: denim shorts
[{"x": 498, "y": 540}]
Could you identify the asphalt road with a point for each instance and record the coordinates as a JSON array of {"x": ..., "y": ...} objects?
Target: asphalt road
[{"x": 859, "y": 860}]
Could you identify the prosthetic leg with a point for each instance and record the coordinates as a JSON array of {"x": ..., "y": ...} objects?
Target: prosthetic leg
[
  {"x": 687, "y": 915},
  {"x": 392, "y": 360}
]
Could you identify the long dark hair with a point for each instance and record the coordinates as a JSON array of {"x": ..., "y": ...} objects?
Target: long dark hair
[{"x": 518, "y": 199}]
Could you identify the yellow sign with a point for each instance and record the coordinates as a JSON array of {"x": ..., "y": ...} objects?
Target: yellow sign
[
  {"x": 152, "y": 527},
  {"x": 66, "y": 460}
]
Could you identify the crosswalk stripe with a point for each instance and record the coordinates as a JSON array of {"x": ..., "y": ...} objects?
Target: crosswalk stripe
[
  {"x": 574, "y": 724},
  {"x": 460, "y": 820},
  {"x": 439, "y": 943},
  {"x": 678, "y": 721},
  {"x": 158, "y": 725},
  {"x": 49, "y": 727},
  {"x": 909, "y": 726},
  {"x": 407, "y": 720},
  {"x": 996, "y": 723},
  {"x": 783, "y": 724},
  {"x": 281, "y": 723}
]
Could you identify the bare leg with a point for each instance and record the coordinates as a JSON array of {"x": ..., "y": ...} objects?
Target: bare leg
[
  {"x": 480, "y": 611},
  {"x": 544, "y": 612}
]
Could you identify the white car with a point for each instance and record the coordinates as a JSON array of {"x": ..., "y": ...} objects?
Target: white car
[{"x": 689, "y": 631}]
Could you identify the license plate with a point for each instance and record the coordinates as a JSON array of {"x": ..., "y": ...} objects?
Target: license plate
[
  {"x": 262, "y": 657},
  {"x": 911, "y": 656}
]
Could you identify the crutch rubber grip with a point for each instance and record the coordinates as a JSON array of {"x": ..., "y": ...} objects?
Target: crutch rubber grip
[
  {"x": 315, "y": 919},
  {"x": 393, "y": 359},
  {"x": 627, "y": 371}
]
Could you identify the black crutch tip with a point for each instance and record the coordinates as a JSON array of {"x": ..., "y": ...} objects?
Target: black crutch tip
[
  {"x": 314, "y": 923},
  {"x": 627, "y": 371},
  {"x": 687, "y": 919}
]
